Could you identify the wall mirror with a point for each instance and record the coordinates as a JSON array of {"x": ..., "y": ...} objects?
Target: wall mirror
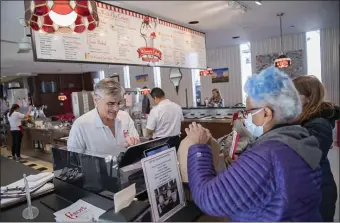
[{"x": 175, "y": 77}]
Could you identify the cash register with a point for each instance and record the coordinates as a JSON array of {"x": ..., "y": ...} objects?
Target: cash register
[{"x": 93, "y": 179}]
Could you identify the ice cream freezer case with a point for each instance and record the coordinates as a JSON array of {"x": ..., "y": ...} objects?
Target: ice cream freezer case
[{"x": 217, "y": 120}]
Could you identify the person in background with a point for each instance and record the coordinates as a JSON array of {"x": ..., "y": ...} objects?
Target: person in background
[
  {"x": 146, "y": 107},
  {"x": 3, "y": 106},
  {"x": 216, "y": 100},
  {"x": 105, "y": 130},
  {"x": 278, "y": 177},
  {"x": 15, "y": 118},
  {"x": 318, "y": 117},
  {"x": 164, "y": 119}
]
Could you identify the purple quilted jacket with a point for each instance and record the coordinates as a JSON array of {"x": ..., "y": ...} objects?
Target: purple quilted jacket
[{"x": 275, "y": 179}]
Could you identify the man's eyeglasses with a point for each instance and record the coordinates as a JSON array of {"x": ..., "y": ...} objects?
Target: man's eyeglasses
[{"x": 115, "y": 104}]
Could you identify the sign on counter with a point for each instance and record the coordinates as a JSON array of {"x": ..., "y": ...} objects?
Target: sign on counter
[{"x": 164, "y": 184}]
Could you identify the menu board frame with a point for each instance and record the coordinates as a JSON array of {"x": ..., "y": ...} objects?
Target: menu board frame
[{"x": 36, "y": 59}]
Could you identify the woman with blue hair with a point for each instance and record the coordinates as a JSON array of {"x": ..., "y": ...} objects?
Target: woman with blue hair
[{"x": 278, "y": 177}]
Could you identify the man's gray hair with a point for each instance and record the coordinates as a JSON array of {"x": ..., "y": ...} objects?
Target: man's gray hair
[
  {"x": 273, "y": 88},
  {"x": 110, "y": 87}
]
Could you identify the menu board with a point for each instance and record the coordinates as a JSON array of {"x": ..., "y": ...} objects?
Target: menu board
[{"x": 125, "y": 37}]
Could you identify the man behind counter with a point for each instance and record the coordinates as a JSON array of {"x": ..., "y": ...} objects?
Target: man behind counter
[
  {"x": 164, "y": 119},
  {"x": 105, "y": 130}
]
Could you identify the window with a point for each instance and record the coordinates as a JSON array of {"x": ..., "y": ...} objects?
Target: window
[
  {"x": 157, "y": 76},
  {"x": 101, "y": 75},
  {"x": 313, "y": 53},
  {"x": 245, "y": 66},
  {"x": 127, "y": 83},
  {"x": 196, "y": 87}
]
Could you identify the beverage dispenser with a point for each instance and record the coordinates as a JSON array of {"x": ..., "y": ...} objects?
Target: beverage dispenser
[{"x": 133, "y": 105}]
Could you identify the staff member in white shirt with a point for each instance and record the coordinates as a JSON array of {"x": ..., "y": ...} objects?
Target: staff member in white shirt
[
  {"x": 105, "y": 130},
  {"x": 164, "y": 119},
  {"x": 15, "y": 118}
]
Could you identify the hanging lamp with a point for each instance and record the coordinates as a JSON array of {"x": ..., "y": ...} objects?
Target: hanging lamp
[
  {"x": 61, "y": 16},
  {"x": 282, "y": 61},
  {"x": 61, "y": 96},
  {"x": 206, "y": 72}
]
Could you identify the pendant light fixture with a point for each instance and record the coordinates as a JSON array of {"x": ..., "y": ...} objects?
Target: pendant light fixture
[
  {"x": 282, "y": 61},
  {"x": 61, "y": 97},
  {"x": 61, "y": 16}
]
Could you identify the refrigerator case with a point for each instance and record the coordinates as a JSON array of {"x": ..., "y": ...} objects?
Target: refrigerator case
[
  {"x": 82, "y": 102},
  {"x": 18, "y": 96}
]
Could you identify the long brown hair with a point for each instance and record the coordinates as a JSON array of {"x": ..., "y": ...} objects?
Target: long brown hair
[
  {"x": 13, "y": 108},
  {"x": 314, "y": 91},
  {"x": 219, "y": 94}
]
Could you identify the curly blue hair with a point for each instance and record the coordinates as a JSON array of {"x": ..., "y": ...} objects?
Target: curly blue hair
[{"x": 273, "y": 88}]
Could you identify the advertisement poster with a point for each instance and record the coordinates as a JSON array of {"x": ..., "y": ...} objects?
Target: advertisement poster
[
  {"x": 220, "y": 75},
  {"x": 164, "y": 184},
  {"x": 142, "y": 78}
]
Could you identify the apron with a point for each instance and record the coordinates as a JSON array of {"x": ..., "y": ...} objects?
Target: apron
[{"x": 21, "y": 130}]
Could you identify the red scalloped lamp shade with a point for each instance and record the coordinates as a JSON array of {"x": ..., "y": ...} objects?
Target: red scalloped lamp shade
[{"x": 61, "y": 16}]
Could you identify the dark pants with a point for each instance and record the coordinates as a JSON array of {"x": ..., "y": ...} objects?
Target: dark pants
[{"x": 16, "y": 142}]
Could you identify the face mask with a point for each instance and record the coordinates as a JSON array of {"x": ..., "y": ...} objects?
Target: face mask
[{"x": 255, "y": 130}]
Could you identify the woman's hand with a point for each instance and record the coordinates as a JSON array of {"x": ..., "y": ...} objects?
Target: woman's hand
[{"x": 197, "y": 134}]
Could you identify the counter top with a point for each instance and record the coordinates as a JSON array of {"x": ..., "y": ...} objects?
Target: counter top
[
  {"x": 50, "y": 203},
  {"x": 47, "y": 129},
  {"x": 203, "y": 107},
  {"x": 208, "y": 119}
]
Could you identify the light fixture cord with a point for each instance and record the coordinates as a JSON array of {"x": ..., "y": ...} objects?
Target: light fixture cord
[
  {"x": 82, "y": 76},
  {"x": 281, "y": 33}
]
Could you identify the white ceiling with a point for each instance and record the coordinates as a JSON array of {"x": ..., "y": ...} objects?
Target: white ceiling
[{"x": 219, "y": 22}]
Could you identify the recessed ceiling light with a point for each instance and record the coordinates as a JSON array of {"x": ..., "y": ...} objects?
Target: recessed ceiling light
[
  {"x": 194, "y": 22},
  {"x": 258, "y": 2},
  {"x": 236, "y": 37}
]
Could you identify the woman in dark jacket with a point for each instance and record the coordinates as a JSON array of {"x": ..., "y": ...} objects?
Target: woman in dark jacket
[
  {"x": 278, "y": 177},
  {"x": 318, "y": 117}
]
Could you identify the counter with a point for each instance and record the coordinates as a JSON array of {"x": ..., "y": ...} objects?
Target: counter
[
  {"x": 208, "y": 120},
  {"x": 217, "y": 120},
  {"x": 52, "y": 202},
  {"x": 217, "y": 127},
  {"x": 35, "y": 140}
]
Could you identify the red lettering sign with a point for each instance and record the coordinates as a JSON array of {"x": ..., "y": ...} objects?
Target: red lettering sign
[
  {"x": 149, "y": 54},
  {"x": 281, "y": 63},
  {"x": 206, "y": 72}
]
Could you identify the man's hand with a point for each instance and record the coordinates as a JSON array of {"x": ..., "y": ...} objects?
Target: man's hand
[
  {"x": 197, "y": 134},
  {"x": 131, "y": 141}
]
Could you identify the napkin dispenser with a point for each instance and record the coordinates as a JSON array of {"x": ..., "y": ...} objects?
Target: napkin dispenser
[{"x": 136, "y": 210}]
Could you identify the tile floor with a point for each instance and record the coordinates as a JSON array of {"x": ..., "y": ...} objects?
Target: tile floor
[{"x": 32, "y": 162}]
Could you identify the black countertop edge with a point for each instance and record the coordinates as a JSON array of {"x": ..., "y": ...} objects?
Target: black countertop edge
[{"x": 214, "y": 108}]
